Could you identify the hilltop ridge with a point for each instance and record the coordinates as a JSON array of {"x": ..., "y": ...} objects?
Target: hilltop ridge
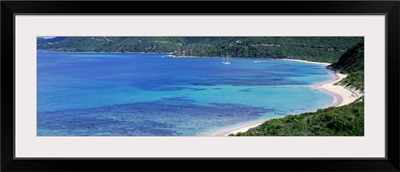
[{"x": 320, "y": 49}]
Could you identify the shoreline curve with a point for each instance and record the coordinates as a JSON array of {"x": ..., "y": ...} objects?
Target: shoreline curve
[{"x": 341, "y": 96}]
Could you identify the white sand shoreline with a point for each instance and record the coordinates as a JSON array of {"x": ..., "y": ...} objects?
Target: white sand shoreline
[
  {"x": 242, "y": 128},
  {"x": 304, "y": 61},
  {"x": 341, "y": 96}
]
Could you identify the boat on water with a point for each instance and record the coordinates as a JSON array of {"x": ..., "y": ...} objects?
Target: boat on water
[{"x": 227, "y": 60}]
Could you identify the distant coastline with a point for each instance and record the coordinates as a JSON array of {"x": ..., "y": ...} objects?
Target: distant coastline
[{"x": 45, "y": 50}]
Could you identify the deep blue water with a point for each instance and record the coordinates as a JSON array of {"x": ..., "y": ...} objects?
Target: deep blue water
[{"x": 117, "y": 94}]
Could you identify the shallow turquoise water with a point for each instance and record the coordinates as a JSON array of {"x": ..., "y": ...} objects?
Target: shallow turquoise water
[{"x": 117, "y": 94}]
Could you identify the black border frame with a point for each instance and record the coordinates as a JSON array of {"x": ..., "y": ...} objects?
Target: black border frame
[{"x": 10, "y": 8}]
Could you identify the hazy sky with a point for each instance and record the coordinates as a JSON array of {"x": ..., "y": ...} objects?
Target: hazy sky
[{"x": 46, "y": 37}]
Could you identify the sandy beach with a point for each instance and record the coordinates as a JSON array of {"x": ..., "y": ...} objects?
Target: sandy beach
[
  {"x": 242, "y": 128},
  {"x": 342, "y": 96},
  {"x": 304, "y": 61}
]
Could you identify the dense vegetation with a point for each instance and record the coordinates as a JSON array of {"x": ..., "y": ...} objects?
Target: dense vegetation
[
  {"x": 323, "y": 49},
  {"x": 346, "y": 120},
  {"x": 352, "y": 60},
  {"x": 354, "y": 81},
  {"x": 352, "y": 63}
]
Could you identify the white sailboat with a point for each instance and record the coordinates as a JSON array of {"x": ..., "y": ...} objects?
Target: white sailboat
[{"x": 227, "y": 60}]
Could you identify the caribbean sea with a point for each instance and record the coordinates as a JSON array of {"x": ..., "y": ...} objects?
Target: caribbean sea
[{"x": 135, "y": 94}]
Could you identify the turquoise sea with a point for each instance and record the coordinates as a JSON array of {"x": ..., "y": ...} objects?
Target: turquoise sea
[{"x": 134, "y": 94}]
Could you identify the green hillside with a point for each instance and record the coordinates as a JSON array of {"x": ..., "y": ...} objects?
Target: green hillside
[
  {"x": 352, "y": 60},
  {"x": 323, "y": 49},
  {"x": 347, "y": 120},
  {"x": 352, "y": 63}
]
